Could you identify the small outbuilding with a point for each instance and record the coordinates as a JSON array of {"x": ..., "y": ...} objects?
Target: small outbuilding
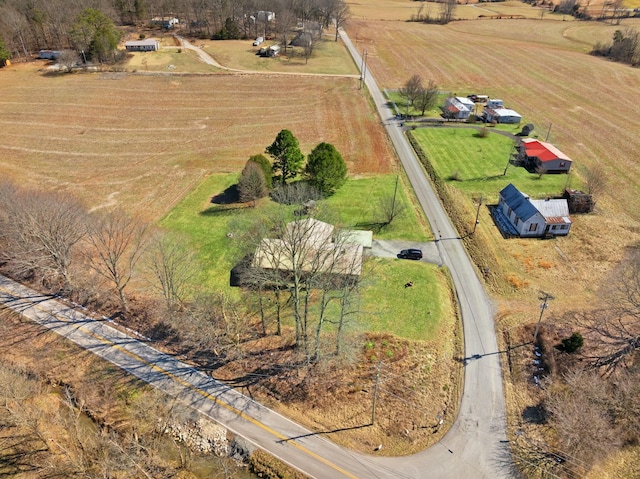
[
  {"x": 49, "y": 54},
  {"x": 148, "y": 45},
  {"x": 501, "y": 115}
]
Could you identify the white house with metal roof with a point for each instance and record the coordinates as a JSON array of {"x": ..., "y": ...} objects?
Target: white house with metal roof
[
  {"x": 519, "y": 215},
  {"x": 458, "y": 107}
]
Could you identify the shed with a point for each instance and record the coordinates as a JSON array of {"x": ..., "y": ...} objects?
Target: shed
[
  {"x": 49, "y": 54},
  {"x": 501, "y": 115}
]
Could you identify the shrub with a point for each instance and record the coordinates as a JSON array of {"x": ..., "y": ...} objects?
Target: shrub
[{"x": 573, "y": 343}]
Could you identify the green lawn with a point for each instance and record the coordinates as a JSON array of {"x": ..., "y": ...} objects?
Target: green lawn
[
  {"x": 400, "y": 103},
  {"x": 356, "y": 205},
  {"x": 213, "y": 231},
  {"x": 479, "y": 163},
  {"x": 413, "y": 312}
]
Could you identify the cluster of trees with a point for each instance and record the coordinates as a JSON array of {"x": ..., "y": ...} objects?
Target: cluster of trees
[
  {"x": 89, "y": 27},
  {"x": 60, "y": 440},
  {"x": 446, "y": 14},
  {"x": 592, "y": 399},
  {"x": 325, "y": 170},
  {"x": 50, "y": 239},
  {"x": 420, "y": 96},
  {"x": 625, "y": 47}
]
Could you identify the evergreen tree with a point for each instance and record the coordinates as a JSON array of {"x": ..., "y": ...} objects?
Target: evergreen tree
[
  {"x": 5, "y": 54},
  {"x": 95, "y": 34},
  {"x": 326, "y": 168},
  {"x": 287, "y": 156}
]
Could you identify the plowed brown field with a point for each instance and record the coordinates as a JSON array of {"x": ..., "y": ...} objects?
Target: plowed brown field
[{"x": 144, "y": 141}]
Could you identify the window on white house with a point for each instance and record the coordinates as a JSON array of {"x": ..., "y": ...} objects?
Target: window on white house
[{"x": 533, "y": 227}]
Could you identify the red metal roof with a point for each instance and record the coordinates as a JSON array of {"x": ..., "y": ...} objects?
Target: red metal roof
[{"x": 543, "y": 151}]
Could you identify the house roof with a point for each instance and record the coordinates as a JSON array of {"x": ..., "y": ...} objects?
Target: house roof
[
  {"x": 309, "y": 243},
  {"x": 543, "y": 151},
  {"x": 518, "y": 202},
  {"x": 139, "y": 43},
  {"x": 555, "y": 211},
  {"x": 504, "y": 112},
  {"x": 460, "y": 104}
]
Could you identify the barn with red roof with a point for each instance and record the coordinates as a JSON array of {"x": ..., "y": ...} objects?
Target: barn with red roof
[{"x": 540, "y": 156}]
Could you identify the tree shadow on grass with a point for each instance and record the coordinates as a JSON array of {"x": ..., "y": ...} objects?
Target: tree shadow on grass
[{"x": 227, "y": 197}]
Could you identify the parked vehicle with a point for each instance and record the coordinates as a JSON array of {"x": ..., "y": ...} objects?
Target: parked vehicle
[
  {"x": 258, "y": 41},
  {"x": 411, "y": 253}
]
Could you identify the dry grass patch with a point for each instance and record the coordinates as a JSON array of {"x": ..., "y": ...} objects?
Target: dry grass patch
[
  {"x": 417, "y": 387},
  {"x": 328, "y": 57}
]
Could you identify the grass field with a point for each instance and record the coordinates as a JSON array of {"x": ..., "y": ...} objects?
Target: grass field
[
  {"x": 213, "y": 230},
  {"x": 168, "y": 60},
  {"x": 404, "y": 10},
  {"x": 479, "y": 164},
  {"x": 144, "y": 142},
  {"x": 328, "y": 57}
]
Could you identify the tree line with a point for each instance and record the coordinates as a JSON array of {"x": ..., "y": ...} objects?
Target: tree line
[
  {"x": 625, "y": 47},
  {"x": 90, "y": 27}
]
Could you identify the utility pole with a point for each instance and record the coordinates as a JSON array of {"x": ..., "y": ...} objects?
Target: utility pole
[
  {"x": 545, "y": 297},
  {"x": 548, "y": 132},
  {"x": 395, "y": 193},
  {"x": 375, "y": 394},
  {"x": 363, "y": 68},
  {"x": 477, "y": 216}
]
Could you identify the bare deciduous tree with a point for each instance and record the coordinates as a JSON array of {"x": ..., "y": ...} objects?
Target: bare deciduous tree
[
  {"x": 427, "y": 97},
  {"x": 447, "y": 10},
  {"x": 310, "y": 261},
  {"x": 172, "y": 266},
  {"x": 391, "y": 206},
  {"x": 116, "y": 243},
  {"x": 40, "y": 231},
  {"x": 614, "y": 328},
  {"x": 412, "y": 89}
]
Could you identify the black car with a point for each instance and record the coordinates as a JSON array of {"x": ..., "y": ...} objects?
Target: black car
[{"x": 410, "y": 254}]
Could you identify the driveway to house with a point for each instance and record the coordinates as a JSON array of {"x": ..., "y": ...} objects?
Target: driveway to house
[{"x": 391, "y": 248}]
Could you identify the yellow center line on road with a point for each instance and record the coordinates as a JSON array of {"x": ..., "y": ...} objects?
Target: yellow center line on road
[{"x": 186, "y": 384}]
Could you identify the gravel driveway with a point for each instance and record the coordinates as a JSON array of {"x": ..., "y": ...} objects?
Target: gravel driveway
[{"x": 391, "y": 248}]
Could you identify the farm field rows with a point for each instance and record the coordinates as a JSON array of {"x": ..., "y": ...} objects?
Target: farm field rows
[{"x": 143, "y": 142}]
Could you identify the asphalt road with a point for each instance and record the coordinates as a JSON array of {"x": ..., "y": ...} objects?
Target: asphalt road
[{"x": 475, "y": 447}]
